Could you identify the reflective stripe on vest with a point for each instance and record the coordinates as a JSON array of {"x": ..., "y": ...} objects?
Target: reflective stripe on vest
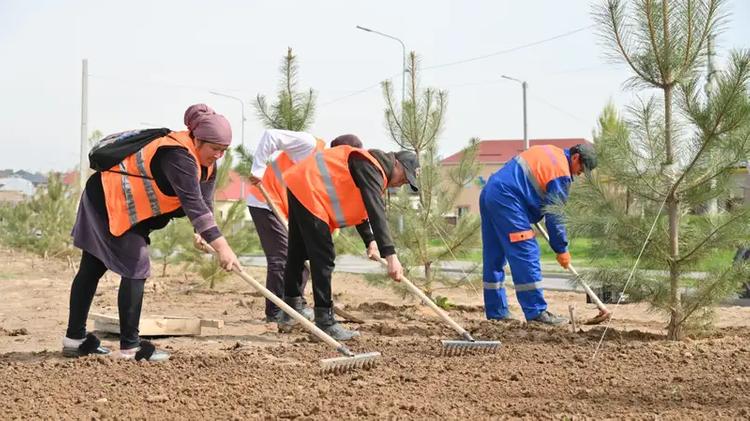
[
  {"x": 140, "y": 163},
  {"x": 332, "y": 195},
  {"x": 542, "y": 164},
  {"x": 277, "y": 172},
  {"x": 128, "y": 191}
]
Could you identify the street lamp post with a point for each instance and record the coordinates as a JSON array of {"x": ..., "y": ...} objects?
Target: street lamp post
[
  {"x": 525, "y": 124},
  {"x": 403, "y": 58},
  {"x": 242, "y": 104}
]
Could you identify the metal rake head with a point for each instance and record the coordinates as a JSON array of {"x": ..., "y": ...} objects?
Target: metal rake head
[
  {"x": 340, "y": 365},
  {"x": 458, "y": 347}
]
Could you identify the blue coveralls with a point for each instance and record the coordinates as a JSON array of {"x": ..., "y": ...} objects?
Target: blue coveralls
[{"x": 514, "y": 198}]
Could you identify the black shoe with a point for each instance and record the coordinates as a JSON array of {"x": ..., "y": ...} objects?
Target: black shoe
[
  {"x": 146, "y": 351},
  {"x": 327, "y": 323},
  {"x": 286, "y": 323},
  {"x": 548, "y": 318},
  {"x": 91, "y": 345}
]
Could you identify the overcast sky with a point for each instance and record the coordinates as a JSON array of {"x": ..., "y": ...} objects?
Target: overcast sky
[{"x": 149, "y": 60}]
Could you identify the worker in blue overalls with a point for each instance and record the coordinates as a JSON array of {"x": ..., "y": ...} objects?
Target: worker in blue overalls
[{"x": 514, "y": 198}]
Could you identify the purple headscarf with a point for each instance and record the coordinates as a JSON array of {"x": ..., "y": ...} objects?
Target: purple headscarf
[{"x": 206, "y": 125}]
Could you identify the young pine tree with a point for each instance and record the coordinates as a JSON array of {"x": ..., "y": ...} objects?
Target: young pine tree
[
  {"x": 422, "y": 233},
  {"x": 293, "y": 110},
  {"x": 42, "y": 224},
  {"x": 674, "y": 153}
]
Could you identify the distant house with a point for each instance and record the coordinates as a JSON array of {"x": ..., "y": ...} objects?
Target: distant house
[
  {"x": 15, "y": 189},
  {"x": 493, "y": 154},
  {"x": 232, "y": 192}
]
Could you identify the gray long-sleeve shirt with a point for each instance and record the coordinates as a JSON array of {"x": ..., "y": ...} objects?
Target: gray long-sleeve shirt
[{"x": 370, "y": 183}]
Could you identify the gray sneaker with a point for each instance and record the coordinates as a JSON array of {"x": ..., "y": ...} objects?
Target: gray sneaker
[
  {"x": 286, "y": 323},
  {"x": 325, "y": 320},
  {"x": 339, "y": 333},
  {"x": 548, "y": 318}
]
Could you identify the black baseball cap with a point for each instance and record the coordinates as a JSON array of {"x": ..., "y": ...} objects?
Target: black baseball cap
[
  {"x": 588, "y": 155},
  {"x": 410, "y": 162}
]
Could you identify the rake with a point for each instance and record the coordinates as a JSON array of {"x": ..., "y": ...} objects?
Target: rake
[
  {"x": 604, "y": 313},
  {"x": 350, "y": 360},
  {"x": 456, "y": 346}
]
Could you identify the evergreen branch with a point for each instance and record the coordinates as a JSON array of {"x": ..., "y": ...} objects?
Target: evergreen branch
[
  {"x": 710, "y": 137},
  {"x": 711, "y": 234},
  {"x": 652, "y": 38},
  {"x": 613, "y": 6},
  {"x": 700, "y": 300}
]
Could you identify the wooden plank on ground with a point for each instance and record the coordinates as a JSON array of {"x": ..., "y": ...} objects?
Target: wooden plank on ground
[{"x": 157, "y": 325}]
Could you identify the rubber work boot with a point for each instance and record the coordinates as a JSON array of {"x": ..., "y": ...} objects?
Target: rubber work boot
[
  {"x": 90, "y": 345},
  {"x": 548, "y": 318},
  {"x": 286, "y": 323},
  {"x": 327, "y": 323}
]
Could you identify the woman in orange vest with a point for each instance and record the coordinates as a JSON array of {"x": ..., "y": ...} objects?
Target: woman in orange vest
[
  {"x": 267, "y": 169},
  {"x": 170, "y": 177},
  {"x": 332, "y": 189}
]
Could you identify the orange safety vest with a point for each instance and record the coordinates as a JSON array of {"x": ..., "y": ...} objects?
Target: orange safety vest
[
  {"x": 130, "y": 191},
  {"x": 273, "y": 181},
  {"x": 542, "y": 164},
  {"x": 325, "y": 187}
]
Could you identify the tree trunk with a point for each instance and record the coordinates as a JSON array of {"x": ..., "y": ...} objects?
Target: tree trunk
[
  {"x": 674, "y": 330},
  {"x": 428, "y": 278},
  {"x": 164, "y": 267}
]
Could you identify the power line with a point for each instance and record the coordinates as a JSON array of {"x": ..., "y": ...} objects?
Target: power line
[
  {"x": 454, "y": 63},
  {"x": 509, "y": 50},
  {"x": 555, "y": 107},
  {"x": 163, "y": 84}
]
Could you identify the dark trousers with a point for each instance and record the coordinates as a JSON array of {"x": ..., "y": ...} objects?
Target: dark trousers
[
  {"x": 129, "y": 301},
  {"x": 273, "y": 238},
  {"x": 309, "y": 239}
]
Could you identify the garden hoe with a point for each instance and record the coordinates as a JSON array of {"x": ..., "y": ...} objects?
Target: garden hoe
[
  {"x": 604, "y": 313},
  {"x": 450, "y": 347},
  {"x": 349, "y": 361}
]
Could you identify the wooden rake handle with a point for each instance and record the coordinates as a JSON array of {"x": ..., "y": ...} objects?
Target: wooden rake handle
[
  {"x": 578, "y": 278},
  {"x": 310, "y": 326},
  {"x": 431, "y": 304}
]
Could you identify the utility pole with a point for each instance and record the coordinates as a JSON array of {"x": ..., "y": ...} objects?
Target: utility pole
[
  {"x": 242, "y": 105},
  {"x": 83, "y": 165},
  {"x": 524, "y": 86},
  {"x": 403, "y": 58},
  {"x": 525, "y": 122}
]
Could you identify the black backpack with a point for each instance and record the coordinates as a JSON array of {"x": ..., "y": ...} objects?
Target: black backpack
[{"x": 114, "y": 148}]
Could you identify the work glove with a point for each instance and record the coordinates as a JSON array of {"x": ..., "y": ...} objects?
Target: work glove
[{"x": 563, "y": 259}]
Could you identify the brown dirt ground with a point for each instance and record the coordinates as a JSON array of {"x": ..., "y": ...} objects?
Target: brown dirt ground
[{"x": 249, "y": 371}]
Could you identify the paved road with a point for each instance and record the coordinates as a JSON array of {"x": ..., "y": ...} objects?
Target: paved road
[{"x": 553, "y": 280}]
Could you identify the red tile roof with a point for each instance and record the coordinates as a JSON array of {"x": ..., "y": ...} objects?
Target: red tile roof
[
  {"x": 501, "y": 151},
  {"x": 232, "y": 190}
]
